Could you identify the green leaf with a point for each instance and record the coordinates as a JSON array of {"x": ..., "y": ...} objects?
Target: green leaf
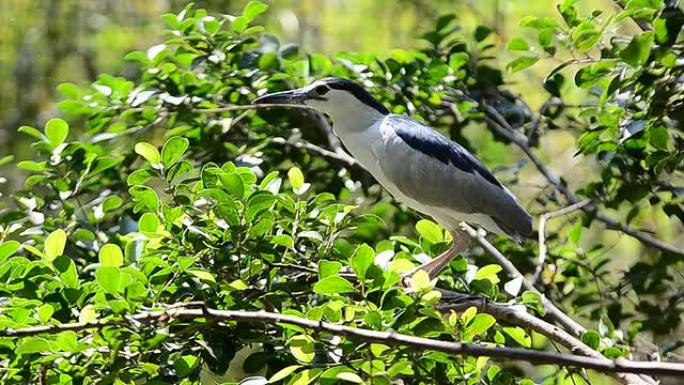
[
  {"x": 305, "y": 377},
  {"x": 111, "y": 255},
  {"x": 32, "y": 132},
  {"x": 254, "y": 9},
  {"x": 458, "y": 60},
  {"x": 173, "y": 150},
  {"x": 54, "y": 244},
  {"x": 112, "y": 203},
  {"x": 534, "y": 300},
  {"x": 521, "y": 63},
  {"x": 431, "y": 298},
  {"x": 420, "y": 281},
  {"x": 480, "y": 324},
  {"x": 148, "y": 151},
  {"x": 6, "y": 160},
  {"x": 44, "y": 312},
  {"x": 333, "y": 285},
  {"x": 327, "y": 268},
  {"x": 430, "y": 231},
  {"x": 518, "y": 335},
  {"x": 8, "y": 248},
  {"x": 592, "y": 74},
  {"x": 658, "y": 137},
  {"x": 30, "y": 165},
  {"x": 518, "y": 44},
  {"x": 363, "y": 259},
  {"x": 139, "y": 177},
  {"x": 203, "y": 275},
  {"x": 146, "y": 196},
  {"x": 30, "y": 345},
  {"x": 283, "y": 373},
  {"x": 258, "y": 203},
  {"x": 87, "y": 314},
  {"x": 233, "y": 183},
  {"x": 296, "y": 178},
  {"x": 283, "y": 240},
  {"x": 349, "y": 376},
  {"x": 109, "y": 279},
  {"x": 613, "y": 352},
  {"x": 638, "y": 50},
  {"x": 488, "y": 272},
  {"x": 481, "y": 32},
  {"x": 586, "y": 35},
  {"x": 67, "y": 342},
  {"x": 56, "y": 131},
  {"x": 148, "y": 223},
  {"x": 303, "y": 348},
  {"x": 592, "y": 339},
  {"x": 185, "y": 365}
]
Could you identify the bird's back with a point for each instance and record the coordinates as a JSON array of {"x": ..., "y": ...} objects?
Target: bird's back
[{"x": 438, "y": 177}]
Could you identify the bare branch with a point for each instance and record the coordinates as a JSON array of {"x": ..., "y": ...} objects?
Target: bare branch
[
  {"x": 522, "y": 318},
  {"x": 337, "y": 156},
  {"x": 390, "y": 338},
  {"x": 558, "y": 315},
  {"x": 542, "y": 232},
  {"x": 562, "y": 318}
]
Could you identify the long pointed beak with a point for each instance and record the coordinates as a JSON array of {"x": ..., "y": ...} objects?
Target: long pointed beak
[{"x": 284, "y": 97}]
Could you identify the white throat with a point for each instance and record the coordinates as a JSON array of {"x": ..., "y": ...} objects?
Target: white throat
[{"x": 347, "y": 113}]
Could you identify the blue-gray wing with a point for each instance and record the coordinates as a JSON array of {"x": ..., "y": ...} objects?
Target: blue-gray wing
[{"x": 431, "y": 169}]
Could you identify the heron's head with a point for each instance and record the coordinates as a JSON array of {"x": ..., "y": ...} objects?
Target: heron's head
[{"x": 337, "y": 97}]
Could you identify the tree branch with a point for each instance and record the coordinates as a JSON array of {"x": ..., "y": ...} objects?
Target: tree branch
[
  {"x": 499, "y": 124},
  {"x": 568, "y": 323},
  {"x": 336, "y": 156},
  {"x": 390, "y": 338},
  {"x": 542, "y": 232},
  {"x": 558, "y": 315},
  {"x": 522, "y": 318}
]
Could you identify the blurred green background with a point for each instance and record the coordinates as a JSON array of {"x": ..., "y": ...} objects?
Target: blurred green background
[{"x": 46, "y": 42}]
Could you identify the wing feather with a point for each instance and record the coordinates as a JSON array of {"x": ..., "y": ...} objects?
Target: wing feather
[{"x": 431, "y": 169}]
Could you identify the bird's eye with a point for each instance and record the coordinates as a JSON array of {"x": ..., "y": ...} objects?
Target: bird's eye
[{"x": 321, "y": 90}]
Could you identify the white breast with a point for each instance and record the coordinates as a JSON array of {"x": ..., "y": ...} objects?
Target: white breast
[{"x": 377, "y": 142}]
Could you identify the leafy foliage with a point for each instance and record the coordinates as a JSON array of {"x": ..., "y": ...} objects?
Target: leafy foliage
[{"x": 166, "y": 189}]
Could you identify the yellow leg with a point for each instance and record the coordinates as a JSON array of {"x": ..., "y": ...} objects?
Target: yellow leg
[{"x": 437, "y": 264}]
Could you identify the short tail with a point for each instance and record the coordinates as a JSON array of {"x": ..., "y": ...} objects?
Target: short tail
[{"x": 518, "y": 228}]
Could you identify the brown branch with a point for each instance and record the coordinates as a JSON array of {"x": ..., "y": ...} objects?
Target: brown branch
[
  {"x": 390, "y": 338},
  {"x": 499, "y": 124},
  {"x": 568, "y": 323},
  {"x": 558, "y": 315},
  {"x": 526, "y": 320}
]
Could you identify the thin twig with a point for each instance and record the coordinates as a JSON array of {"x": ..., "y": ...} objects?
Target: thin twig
[
  {"x": 542, "y": 232},
  {"x": 337, "y": 156},
  {"x": 389, "y": 338}
]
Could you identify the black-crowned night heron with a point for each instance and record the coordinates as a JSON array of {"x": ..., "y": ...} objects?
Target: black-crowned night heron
[{"x": 416, "y": 164}]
